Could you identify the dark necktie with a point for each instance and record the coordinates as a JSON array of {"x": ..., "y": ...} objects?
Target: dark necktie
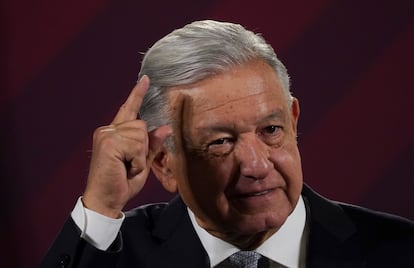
[{"x": 244, "y": 259}]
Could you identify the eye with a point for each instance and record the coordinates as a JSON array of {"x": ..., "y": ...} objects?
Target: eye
[
  {"x": 271, "y": 129},
  {"x": 220, "y": 141},
  {"x": 221, "y": 147}
]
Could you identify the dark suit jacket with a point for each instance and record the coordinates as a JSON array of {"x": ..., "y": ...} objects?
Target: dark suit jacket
[{"x": 161, "y": 235}]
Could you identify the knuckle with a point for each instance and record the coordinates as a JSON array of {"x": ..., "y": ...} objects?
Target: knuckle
[
  {"x": 141, "y": 134},
  {"x": 104, "y": 135},
  {"x": 107, "y": 141},
  {"x": 97, "y": 133},
  {"x": 139, "y": 124}
]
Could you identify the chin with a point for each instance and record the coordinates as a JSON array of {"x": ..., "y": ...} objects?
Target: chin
[
  {"x": 254, "y": 224},
  {"x": 250, "y": 233}
]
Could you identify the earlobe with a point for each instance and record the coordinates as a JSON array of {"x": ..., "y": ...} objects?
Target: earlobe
[{"x": 162, "y": 170}]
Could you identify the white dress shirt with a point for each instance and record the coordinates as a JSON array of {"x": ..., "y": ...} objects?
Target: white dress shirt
[
  {"x": 100, "y": 231},
  {"x": 285, "y": 248}
]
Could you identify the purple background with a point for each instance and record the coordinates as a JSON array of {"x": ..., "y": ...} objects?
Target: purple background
[{"x": 68, "y": 66}]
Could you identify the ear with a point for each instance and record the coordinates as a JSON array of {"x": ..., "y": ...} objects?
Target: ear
[
  {"x": 294, "y": 113},
  {"x": 162, "y": 169}
]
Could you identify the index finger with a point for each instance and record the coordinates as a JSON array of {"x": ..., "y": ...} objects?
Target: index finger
[{"x": 129, "y": 110}]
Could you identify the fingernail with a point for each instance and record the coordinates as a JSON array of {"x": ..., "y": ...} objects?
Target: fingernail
[{"x": 142, "y": 78}]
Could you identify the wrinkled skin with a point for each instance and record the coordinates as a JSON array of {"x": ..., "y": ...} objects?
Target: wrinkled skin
[
  {"x": 122, "y": 155},
  {"x": 236, "y": 162}
]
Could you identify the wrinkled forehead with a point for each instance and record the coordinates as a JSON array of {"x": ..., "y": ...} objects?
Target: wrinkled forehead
[
  {"x": 194, "y": 114},
  {"x": 242, "y": 85},
  {"x": 195, "y": 101}
]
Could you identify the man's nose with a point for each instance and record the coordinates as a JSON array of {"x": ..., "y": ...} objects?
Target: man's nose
[{"x": 253, "y": 157}]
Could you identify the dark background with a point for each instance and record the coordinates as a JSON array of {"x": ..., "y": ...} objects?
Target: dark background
[{"x": 68, "y": 65}]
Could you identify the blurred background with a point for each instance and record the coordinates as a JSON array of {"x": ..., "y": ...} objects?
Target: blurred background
[{"x": 68, "y": 65}]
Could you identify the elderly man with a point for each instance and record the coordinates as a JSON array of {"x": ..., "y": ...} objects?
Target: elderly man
[{"x": 218, "y": 126}]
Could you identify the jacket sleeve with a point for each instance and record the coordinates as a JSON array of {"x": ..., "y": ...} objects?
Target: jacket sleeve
[{"x": 70, "y": 250}]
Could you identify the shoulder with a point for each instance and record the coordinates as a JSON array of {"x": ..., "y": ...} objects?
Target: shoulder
[
  {"x": 373, "y": 224},
  {"x": 146, "y": 212},
  {"x": 144, "y": 217},
  {"x": 353, "y": 233},
  {"x": 329, "y": 212},
  {"x": 379, "y": 226},
  {"x": 384, "y": 238}
]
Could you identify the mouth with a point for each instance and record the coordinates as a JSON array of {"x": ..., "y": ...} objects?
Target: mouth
[{"x": 253, "y": 194}]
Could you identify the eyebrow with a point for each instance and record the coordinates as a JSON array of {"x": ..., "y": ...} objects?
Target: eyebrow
[{"x": 278, "y": 114}]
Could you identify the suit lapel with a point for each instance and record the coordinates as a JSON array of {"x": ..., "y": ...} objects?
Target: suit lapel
[
  {"x": 180, "y": 245},
  {"x": 330, "y": 240}
]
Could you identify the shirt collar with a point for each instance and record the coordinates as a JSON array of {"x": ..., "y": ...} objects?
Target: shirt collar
[{"x": 282, "y": 247}]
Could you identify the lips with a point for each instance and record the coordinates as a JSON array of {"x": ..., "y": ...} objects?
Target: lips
[{"x": 252, "y": 193}]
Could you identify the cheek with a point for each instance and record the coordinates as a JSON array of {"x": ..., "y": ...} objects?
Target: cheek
[
  {"x": 286, "y": 156},
  {"x": 287, "y": 162},
  {"x": 210, "y": 176},
  {"x": 205, "y": 186}
]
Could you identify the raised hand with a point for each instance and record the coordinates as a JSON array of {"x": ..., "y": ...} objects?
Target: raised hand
[{"x": 121, "y": 156}]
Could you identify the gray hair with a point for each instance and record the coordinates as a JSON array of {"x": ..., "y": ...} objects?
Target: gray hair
[{"x": 195, "y": 52}]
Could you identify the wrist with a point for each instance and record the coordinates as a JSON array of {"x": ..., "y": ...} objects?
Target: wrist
[{"x": 99, "y": 207}]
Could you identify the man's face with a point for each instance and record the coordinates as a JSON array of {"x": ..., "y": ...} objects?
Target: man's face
[{"x": 237, "y": 165}]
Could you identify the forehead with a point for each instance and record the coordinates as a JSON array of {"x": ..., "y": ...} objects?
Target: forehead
[{"x": 251, "y": 90}]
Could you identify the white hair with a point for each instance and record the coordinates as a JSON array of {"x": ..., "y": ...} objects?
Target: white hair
[{"x": 195, "y": 52}]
